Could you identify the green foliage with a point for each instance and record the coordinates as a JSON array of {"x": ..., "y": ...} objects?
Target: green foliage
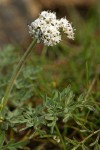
[
  {"x": 2, "y": 138},
  {"x": 60, "y": 106},
  {"x": 13, "y": 145},
  {"x": 24, "y": 86}
]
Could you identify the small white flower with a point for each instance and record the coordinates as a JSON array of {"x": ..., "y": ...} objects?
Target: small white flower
[
  {"x": 51, "y": 36},
  {"x": 48, "y": 29},
  {"x": 66, "y": 27},
  {"x": 56, "y": 138}
]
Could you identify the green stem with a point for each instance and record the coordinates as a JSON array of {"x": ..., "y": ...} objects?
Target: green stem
[
  {"x": 44, "y": 51},
  {"x": 60, "y": 136},
  {"x": 95, "y": 132},
  {"x": 15, "y": 75},
  {"x": 87, "y": 75}
]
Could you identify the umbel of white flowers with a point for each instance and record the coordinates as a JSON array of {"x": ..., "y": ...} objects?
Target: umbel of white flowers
[{"x": 47, "y": 28}]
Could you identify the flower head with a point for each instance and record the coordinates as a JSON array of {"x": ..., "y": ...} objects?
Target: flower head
[
  {"x": 48, "y": 29},
  {"x": 66, "y": 27}
]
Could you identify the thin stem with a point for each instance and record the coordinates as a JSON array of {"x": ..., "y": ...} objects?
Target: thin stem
[
  {"x": 15, "y": 75},
  {"x": 59, "y": 134},
  {"x": 87, "y": 75},
  {"x": 95, "y": 132},
  {"x": 44, "y": 51},
  {"x": 90, "y": 88}
]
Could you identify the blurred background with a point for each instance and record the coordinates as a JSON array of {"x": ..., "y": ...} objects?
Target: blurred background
[
  {"x": 15, "y": 15},
  {"x": 71, "y": 62}
]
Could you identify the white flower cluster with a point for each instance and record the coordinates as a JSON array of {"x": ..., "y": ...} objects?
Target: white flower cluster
[{"x": 48, "y": 29}]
